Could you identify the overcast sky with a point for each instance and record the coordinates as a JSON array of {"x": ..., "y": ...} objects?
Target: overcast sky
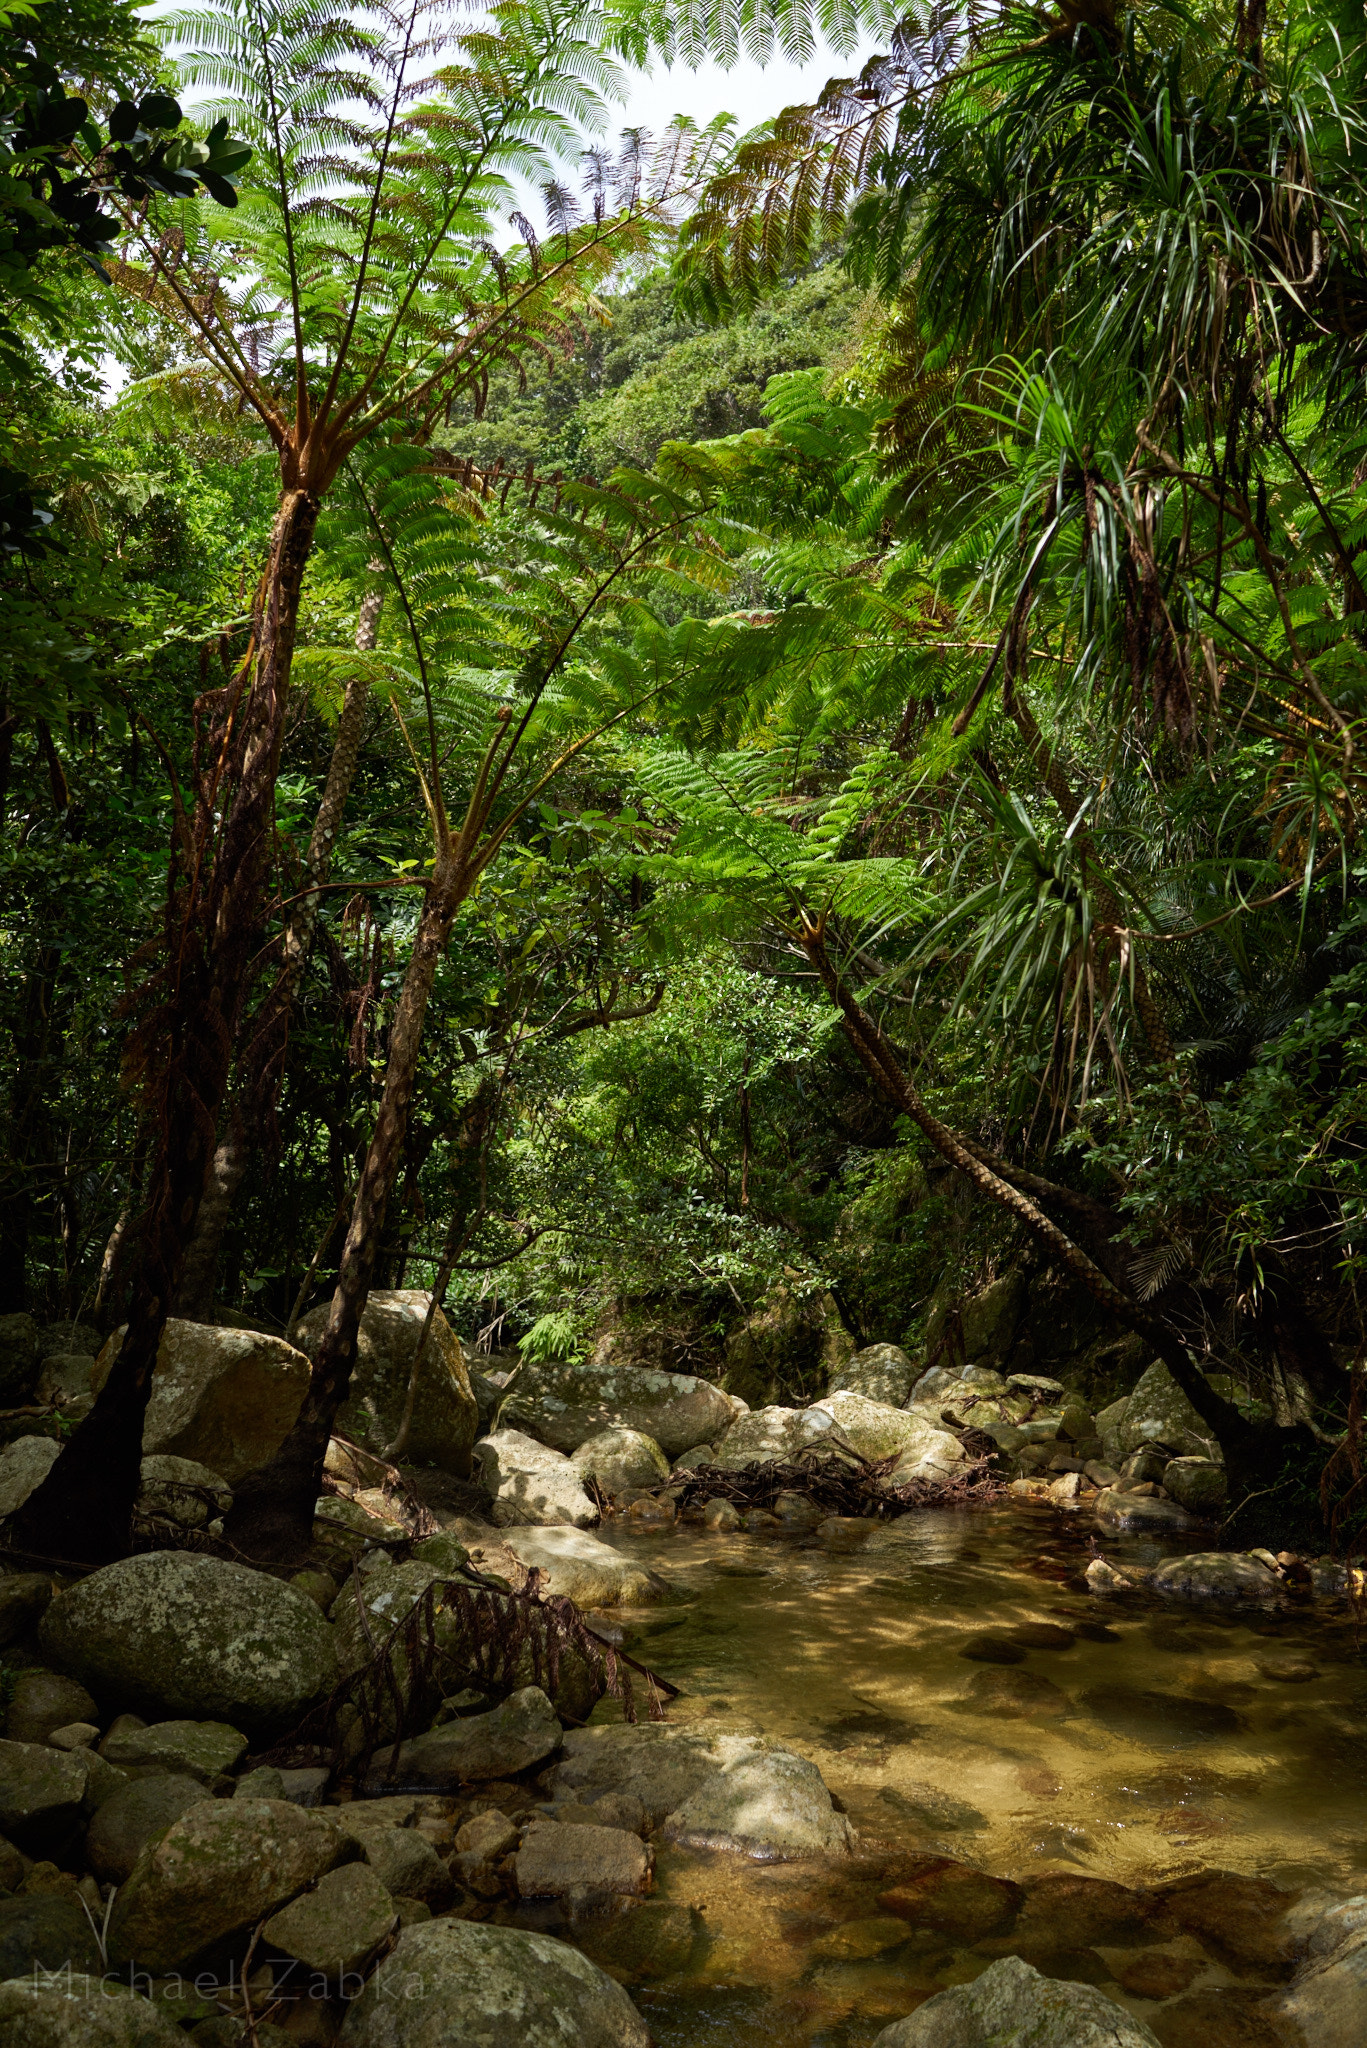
[{"x": 752, "y": 92}]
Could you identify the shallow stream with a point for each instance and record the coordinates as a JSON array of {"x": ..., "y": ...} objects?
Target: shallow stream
[{"x": 963, "y": 1693}]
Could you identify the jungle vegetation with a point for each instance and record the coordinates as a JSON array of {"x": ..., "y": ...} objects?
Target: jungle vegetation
[{"x": 793, "y": 722}]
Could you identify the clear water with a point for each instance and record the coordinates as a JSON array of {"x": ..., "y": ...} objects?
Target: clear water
[{"x": 1136, "y": 1744}]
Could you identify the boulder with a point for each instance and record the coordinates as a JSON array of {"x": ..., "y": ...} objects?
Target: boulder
[
  {"x": 196, "y": 1749},
  {"x": 41, "y": 1701},
  {"x": 928, "y": 1460},
  {"x": 743, "y": 1793},
  {"x": 224, "y": 1865},
  {"x": 45, "y": 1928},
  {"x": 771, "y": 1436},
  {"x": 565, "y": 1405},
  {"x": 557, "y": 1862},
  {"x": 226, "y": 1399},
  {"x": 1110, "y": 1427},
  {"x": 1197, "y": 1484},
  {"x": 138, "y": 1813},
  {"x": 23, "y": 1599},
  {"x": 451, "y": 1981},
  {"x": 24, "y": 1465},
  {"x": 532, "y": 1485},
  {"x": 41, "y": 1795},
  {"x": 73, "y": 1338},
  {"x": 515, "y": 1735},
  {"x": 75, "y": 2010},
  {"x": 621, "y": 1458},
  {"x": 786, "y": 1348},
  {"x": 585, "y": 1570},
  {"x": 404, "y": 1861},
  {"x": 178, "y": 1490},
  {"x": 445, "y": 1412},
  {"x": 336, "y": 1928},
  {"x": 65, "y": 1376},
  {"x": 1011, "y": 2003},
  {"x": 20, "y": 1351},
  {"x": 953, "y": 1899},
  {"x": 173, "y": 1633},
  {"x": 1159, "y": 1412},
  {"x": 1220, "y": 1577},
  {"x": 989, "y": 1320},
  {"x": 877, "y": 1431},
  {"x": 1116, "y": 1511},
  {"x": 880, "y": 1372},
  {"x": 390, "y": 1592}
]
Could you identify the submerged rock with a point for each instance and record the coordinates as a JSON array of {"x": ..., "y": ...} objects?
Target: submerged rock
[
  {"x": 451, "y": 1981},
  {"x": 963, "y": 1904},
  {"x": 533, "y": 1486},
  {"x": 565, "y": 1405},
  {"x": 225, "y": 1398},
  {"x": 445, "y": 1412},
  {"x": 173, "y": 1633},
  {"x": 1012, "y": 2004}
]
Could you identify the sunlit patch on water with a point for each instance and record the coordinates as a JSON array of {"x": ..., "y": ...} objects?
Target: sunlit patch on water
[{"x": 1130, "y": 1744}]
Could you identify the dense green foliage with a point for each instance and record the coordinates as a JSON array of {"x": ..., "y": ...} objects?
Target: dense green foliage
[{"x": 944, "y": 567}]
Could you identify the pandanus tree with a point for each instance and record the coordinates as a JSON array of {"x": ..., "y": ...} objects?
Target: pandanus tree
[
  {"x": 356, "y": 291},
  {"x": 1099, "y": 485}
]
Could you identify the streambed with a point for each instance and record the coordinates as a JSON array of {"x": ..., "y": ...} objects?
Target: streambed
[{"x": 963, "y": 1694}]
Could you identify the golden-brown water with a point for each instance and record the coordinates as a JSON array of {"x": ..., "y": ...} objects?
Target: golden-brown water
[{"x": 1130, "y": 1743}]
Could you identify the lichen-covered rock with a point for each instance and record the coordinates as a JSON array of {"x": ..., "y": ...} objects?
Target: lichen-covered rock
[
  {"x": 458, "y": 1981},
  {"x": 64, "y": 1377},
  {"x": 41, "y": 1792},
  {"x": 24, "y": 1465},
  {"x": 42, "y": 1701},
  {"x": 586, "y": 1570},
  {"x": 445, "y": 1412},
  {"x": 1217, "y": 1577},
  {"x": 71, "y": 2010},
  {"x": 877, "y": 1431},
  {"x": 621, "y": 1458},
  {"x": 522, "y": 1731},
  {"x": 45, "y": 1931},
  {"x": 138, "y": 1813},
  {"x": 774, "y": 1436},
  {"x": 1159, "y": 1412},
  {"x": 224, "y": 1865},
  {"x": 226, "y": 1399},
  {"x": 1011, "y": 2005},
  {"x": 197, "y": 1749},
  {"x": 174, "y": 1634},
  {"x": 880, "y": 1372},
  {"x": 179, "y": 1490},
  {"x": 1197, "y": 1484},
  {"x": 928, "y": 1460},
  {"x": 743, "y": 1793},
  {"x": 336, "y": 1928},
  {"x": 532, "y": 1484},
  {"x": 564, "y": 1405}
]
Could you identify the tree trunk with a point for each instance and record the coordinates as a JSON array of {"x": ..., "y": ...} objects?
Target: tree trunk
[
  {"x": 83, "y": 1509},
  {"x": 1253, "y": 1452},
  {"x": 264, "y": 1053},
  {"x": 272, "y": 1513},
  {"x": 30, "y": 1143}
]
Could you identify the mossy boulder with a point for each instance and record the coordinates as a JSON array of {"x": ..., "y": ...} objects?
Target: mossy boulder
[
  {"x": 445, "y": 1412},
  {"x": 226, "y": 1399},
  {"x": 173, "y": 1635}
]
